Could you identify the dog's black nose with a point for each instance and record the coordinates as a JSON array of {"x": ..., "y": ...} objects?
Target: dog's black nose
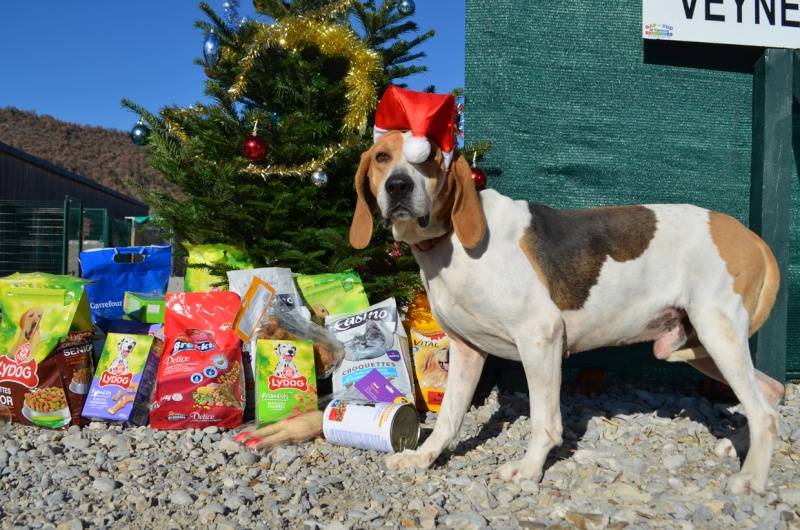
[{"x": 399, "y": 186}]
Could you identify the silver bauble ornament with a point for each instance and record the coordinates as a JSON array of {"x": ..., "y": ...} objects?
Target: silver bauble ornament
[
  {"x": 319, "y": 179},
  {"x": 406, "y": 7}
]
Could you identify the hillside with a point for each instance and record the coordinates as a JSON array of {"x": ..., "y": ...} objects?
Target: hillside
[{"x": 106, "y": 156}]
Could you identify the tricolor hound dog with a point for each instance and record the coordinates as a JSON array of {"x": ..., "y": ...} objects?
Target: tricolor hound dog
[{"x": 697, "y": 283}]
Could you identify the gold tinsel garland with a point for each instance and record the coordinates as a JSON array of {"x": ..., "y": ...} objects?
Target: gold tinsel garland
[
  {"x": 333, "y": 40},
  {"x": 298, "y": 171}
]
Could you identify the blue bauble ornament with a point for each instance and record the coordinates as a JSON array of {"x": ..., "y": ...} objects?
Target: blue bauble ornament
[
  {"x": 212, "y": 50},
  {"x": 406, "y": 7},
  {"x": 139, "y": 133}
]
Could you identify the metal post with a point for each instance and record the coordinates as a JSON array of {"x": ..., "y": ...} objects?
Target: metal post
[
  {"x": 65, "y": 236},
  {"x": 771, "y": 169}
]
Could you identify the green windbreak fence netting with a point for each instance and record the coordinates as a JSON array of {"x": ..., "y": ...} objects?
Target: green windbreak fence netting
[{"x": 582, "y": 112}]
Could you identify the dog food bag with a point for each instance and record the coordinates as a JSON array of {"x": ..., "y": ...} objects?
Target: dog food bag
[
  {"x": 286, "y": 381},
  {"x": 46, "y": 348},
  {"x": 332, "y": 294},
  {"x": 200, "y": 379},
  {"x": 199, "y": 276},
  {"x": 430, "y": 353},
  {"x": 279, "y": 278},
  {"x": 121, "y": 269},
  {"x": 373, "y": 339},
  {"x": 124, "y": 380}
]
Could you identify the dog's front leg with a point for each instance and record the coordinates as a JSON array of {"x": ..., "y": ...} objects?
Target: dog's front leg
[
  {"x": 540, "y": 348},
  {"x": 466, "y": 365}
]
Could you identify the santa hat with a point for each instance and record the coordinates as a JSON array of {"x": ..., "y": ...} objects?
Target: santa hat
[{"x": 425, "y": 115}]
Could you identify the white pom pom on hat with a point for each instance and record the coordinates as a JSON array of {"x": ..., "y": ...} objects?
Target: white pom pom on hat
[
  {"x": 426, "y": 115},
  {"x": 416, "y": 149}
]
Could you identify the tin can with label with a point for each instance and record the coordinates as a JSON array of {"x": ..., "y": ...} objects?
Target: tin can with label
[{"x": 387, "y": 427}]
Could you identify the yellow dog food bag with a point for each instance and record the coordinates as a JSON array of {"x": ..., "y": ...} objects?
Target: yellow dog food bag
[
  {"x": 46, "y": 348},
  {"x": 335, "y": 293},
  {"x": 199, "y": 278},
  {"x": 430, "y": 351}
]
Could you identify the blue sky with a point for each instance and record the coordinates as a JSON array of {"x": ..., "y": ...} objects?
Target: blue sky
[{"x": 76, "y": 60}]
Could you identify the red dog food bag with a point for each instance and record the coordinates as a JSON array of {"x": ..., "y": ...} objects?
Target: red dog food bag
[{"x": 200, "y": 379}]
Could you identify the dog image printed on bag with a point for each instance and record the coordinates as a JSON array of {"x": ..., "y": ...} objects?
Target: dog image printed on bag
[
  {"x": 286, "y": 381},
  {"x": 122, "y": 387},
  {"x": 29, "y": 334}
]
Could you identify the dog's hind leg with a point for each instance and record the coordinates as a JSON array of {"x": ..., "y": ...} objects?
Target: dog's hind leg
[
  {"x": 466, "y": 365},
  {"x": 724, "y": 335},
  {"x": 541, "y": 357},
  {"x": 738, "y": 443}
]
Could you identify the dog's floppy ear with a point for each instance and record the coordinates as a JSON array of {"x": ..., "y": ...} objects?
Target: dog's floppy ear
[
  {"x": 366, "y": 205},
  {"x": 468, "y": 219}
]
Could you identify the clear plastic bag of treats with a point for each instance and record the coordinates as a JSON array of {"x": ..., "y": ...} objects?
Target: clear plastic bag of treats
[{"x": 279, "y": 322}]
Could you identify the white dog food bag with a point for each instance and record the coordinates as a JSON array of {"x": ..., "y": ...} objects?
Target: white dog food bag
[{"x": 374, "y": 339}]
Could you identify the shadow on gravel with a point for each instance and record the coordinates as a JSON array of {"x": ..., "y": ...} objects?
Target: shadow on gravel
[{"x": 578, "y": 410}]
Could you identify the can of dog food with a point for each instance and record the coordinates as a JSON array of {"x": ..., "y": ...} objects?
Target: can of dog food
[{"x": 387, "y": 427}]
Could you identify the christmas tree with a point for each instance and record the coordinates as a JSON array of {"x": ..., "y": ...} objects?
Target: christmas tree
[{"x": 268, "y": 166}]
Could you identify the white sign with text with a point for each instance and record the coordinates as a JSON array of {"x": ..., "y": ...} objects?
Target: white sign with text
[{"x": 767, "y": 23}]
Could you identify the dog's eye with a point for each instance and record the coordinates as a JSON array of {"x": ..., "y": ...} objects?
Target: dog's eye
[
  {"x": 432, "y": 155},
  {"x": 382, "y": 157}
]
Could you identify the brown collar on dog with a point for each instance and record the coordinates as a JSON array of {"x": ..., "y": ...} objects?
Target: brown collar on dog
[{"x": 428, "y": 244}]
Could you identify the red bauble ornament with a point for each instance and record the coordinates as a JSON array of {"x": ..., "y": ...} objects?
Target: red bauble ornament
[
  {"x": 479, "y": 177},
  {"x": 254, "y": 148},
  {"x": 209, "y": 72}
]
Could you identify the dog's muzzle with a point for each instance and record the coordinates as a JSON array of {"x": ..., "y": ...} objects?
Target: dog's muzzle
[{"x": 399, "y": 187}]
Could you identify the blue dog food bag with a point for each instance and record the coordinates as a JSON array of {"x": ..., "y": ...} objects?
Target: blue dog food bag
[{"x": 121, "y": 269}]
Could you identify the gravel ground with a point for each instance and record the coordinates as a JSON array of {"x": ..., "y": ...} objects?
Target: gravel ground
[{"x": 631, "y": 458}]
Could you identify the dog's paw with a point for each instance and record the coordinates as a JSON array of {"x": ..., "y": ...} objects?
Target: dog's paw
[
  {"x": 744, "y": 483},
  {"x": 409, "y": 459},
  {"x": 517, "y": 471}
]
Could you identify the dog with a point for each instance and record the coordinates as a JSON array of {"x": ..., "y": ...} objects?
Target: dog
[
  {"x": 120, "y": 364},
  {"x": 29, "y": 332},
  {"x": 285, "y": 366},
  {"x": 697, "y": 283},
  {"x": 320, "y": 311},
  {"x": 432, "y": 368}
]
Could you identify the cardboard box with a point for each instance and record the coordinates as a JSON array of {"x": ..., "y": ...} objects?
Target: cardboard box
[
  {"x": 123, "y": 383},
  {"x": 144, "y": 307}
]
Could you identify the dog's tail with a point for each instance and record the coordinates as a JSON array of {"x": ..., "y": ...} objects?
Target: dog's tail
[{"x": 769, "y": 288}]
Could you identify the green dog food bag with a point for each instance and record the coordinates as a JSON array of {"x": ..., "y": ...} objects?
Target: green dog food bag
[
  {"x": 332, "y": 294},
  {"x": 45, "y": 348},
  {"x": 199, "y": 279}
]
